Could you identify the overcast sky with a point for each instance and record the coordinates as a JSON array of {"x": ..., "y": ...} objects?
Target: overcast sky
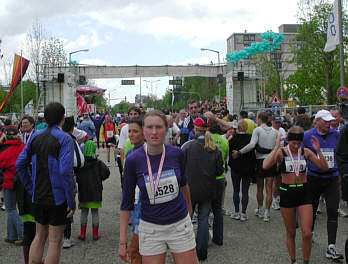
[{"x": 146, "y": 32}]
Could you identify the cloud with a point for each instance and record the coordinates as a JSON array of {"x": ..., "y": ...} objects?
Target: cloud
[
  {"x": 200, "y": 22},
  {"x": 87, "y": 40},
  {"x": 95, "y": 62}
]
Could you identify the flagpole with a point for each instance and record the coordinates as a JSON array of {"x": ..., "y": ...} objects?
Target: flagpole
[
  {"x": 341, "y": 43},
  {"x": 21, "y": 62}
]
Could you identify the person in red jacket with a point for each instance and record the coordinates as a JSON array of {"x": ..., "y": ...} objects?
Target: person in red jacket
[
  {"x": 9, "y": 152},
  {"x": 107, "y": 134}
]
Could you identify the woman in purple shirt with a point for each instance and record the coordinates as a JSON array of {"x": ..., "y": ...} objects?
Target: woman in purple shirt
[{"x": 158, "y": 171}]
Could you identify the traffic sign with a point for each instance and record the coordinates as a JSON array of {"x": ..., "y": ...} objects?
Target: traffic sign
[
  {"x": 175, "y": 82},
  {"x": 275, "y": 108},
  {"x": 275, "y": 100},
  {"x": 127, "y": 82},
  {"x": 342, "y": 91}
]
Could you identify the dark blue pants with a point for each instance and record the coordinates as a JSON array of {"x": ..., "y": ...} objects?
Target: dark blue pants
[
  {"x": 218, "y": 224},
  {"x": 236, "y": 179}
]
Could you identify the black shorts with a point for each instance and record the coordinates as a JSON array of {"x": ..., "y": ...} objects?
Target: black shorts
[
  {"x": 51, "y": 215},
  {"x": 260, "y": 172},
  {"x": 295, "y": 195},
  {"x": 110, "y": 140}
]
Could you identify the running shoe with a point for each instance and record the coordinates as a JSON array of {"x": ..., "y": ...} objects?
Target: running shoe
[
  {"x": 266, "y": 216},
  {"x": 275, "y": 204},
  {"x": 67, "y": 243},
  {"x": 3, "y": 208},
  {"x": 332, "y": 253},
  {"x": 235, "y": 216},
  {"x": 259, "y": 212},
  {"x": 225, "y": 211},
  {"x": 342, "y": 211},
  {"x": 243, "y": 217}
]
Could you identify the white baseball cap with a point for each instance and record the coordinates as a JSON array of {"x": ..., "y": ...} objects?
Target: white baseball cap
[
  {"x": 325, "y": 115},
  {"x": 118, "y": 115}
]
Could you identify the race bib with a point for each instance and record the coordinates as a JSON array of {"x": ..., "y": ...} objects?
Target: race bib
[
  {"x": 329, "y": 155},
  {"x": 168, "y": 188},
  {"x": 290, "y": 167},
  {"x": 109, "y": 134}
]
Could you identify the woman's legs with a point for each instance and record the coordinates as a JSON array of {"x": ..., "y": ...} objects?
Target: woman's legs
[
  {"x": 288, "y": 215},
  {"x": 84, "y": 216},
  {"x": 187, "y": 257},
  {"x": 305, "y": 213},
  {"x": 154, "y": 259},
  {"x": 245, "y": 193},
  {"x": 236, "y": 189},
  {"x": 14, "y": 222}
]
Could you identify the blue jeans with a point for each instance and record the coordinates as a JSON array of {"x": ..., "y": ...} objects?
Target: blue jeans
[
  {"x": 203, "y": 229},
  {"x": 14, "y": 222},
  {"x": 218, "y": 224},
  {"x": 236, "y": 179}
]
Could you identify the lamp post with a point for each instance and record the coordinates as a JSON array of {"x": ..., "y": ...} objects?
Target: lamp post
[
  {"x": 218, "y": 53},
  {"x": 83, "y": 50},
  {"x": 151, "y": 82}
]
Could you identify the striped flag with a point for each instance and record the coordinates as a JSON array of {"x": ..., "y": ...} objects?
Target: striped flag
[{"x": 20, "y": 66}]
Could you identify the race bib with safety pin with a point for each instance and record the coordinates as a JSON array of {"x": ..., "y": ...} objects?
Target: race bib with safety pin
[
  {"x": 329, "y": 155},
  {"x": 168, "y": 188},
  {"x": 290, "y": 166},
  {"x": 109, "y": 134}
]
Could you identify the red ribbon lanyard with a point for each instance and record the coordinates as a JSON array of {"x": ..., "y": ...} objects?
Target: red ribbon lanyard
[
  {"x": 296, "y": 166},
  {"x": 153, "y": 185}
]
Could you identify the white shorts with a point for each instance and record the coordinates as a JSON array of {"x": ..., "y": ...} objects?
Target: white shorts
[{"x": 157, "y": 239}]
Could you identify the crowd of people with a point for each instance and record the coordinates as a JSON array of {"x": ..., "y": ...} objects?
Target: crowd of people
[{"x": 173, "y": 168}]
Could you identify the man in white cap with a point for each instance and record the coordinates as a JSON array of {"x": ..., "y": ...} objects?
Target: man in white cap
[{"x": 325, "y": 182}]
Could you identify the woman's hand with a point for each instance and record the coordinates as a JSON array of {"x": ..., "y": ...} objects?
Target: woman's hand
[
  {"x": 315, "y": 144},
  {"x": 122, "y": 252}
]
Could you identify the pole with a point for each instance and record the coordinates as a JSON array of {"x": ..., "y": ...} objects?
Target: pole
[
  {"x": 141, "y": 100},
  {"x": 341, "y": 43},
  {"x": 219, "y": 67},
  {"x": 21, "y": 62},
  {"x": 109, "y": 100}
]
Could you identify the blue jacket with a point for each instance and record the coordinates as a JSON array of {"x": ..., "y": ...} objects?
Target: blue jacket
[
  {"x": 97, "y": 122},
  {"x": 328, "y": 144},
  {"x": 51, "y": 154},
  {"x": 88, "y": 127}
]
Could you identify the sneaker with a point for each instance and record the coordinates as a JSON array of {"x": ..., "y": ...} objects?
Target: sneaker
[
  {"x": 225, "y": 212},
  {"x": 67, "y": 243},
  {"x": 342, "y": 212},
  {"x": 332, "y": 253},
  {"x": 3, "y": 208},
  {"x": 243, "y": 217},
  {"x": 235, "y": 216},
  {"x": 108, "y": 163},
  {"x": 259, "y": 212},
  {"x": 275, "y": 204},
  {"x": 321, "y": 206},
  {"x": 266, "y": 217}
]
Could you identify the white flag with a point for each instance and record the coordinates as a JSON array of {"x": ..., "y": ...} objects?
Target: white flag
[
  {"x": 172, "y": 98},
  {"x": 332, "y": 29}
]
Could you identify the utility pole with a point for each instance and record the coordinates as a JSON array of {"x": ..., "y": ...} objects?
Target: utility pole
[{"x": 341, "y": 43}]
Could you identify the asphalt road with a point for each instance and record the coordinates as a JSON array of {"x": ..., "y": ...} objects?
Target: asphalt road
[{"x": 253, "y": 241}]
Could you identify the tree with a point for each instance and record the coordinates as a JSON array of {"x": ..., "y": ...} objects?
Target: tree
[
  {"x": 317, "y": 75},
  {"x": 14, "y": 103},
  {"x": 121, "y": 107},
  {"x": 53, "y": 53}
]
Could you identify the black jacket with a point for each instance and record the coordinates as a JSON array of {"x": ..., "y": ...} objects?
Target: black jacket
[
  {"x": 245, "y": 163},
  {"x": 89, "y": 179},
  {"x": 202, "y": 168},
  {"x": 342, "y": 152},
  {"x": 24, "y": 200}
]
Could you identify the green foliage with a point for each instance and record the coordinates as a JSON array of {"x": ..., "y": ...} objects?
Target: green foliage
[
  {"x": 317, "y": 77},
  {"x": 194, "y": 88},
  {"x": 120, "y": 108},
  {"x": 98, "y": 100},
  {"x": 13, "y": 104}
]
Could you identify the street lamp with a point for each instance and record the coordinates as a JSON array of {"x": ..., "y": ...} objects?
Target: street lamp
[
  {"x": 83, "y": 50},
  {"x": 218, "y": 53},
  {"x": 151, "y": 82}
]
